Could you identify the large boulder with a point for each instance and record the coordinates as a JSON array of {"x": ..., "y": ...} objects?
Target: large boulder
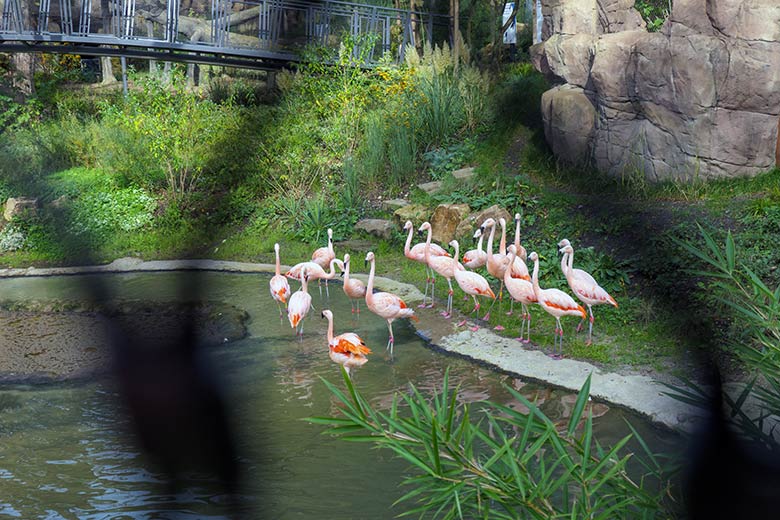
[
  {"x": 445, "y": 221},
  {"x": 469, "y": 225},
  {"x": 15, "y": 207},
  {"x": 377, "y": 227},
  {"x": 568, "y": 117},
  {"x": 699, "y": 98},
  {"x": 417, "y": 213}
]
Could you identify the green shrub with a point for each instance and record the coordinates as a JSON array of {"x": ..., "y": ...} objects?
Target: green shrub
[
  {"x": 12, "y": 238},
  {"x": 98, "y": 214}
]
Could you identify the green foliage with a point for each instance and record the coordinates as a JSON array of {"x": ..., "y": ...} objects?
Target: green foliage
[
  {"x": 98, "y": 214},
  {"x": 12, "y": 238},
  {"x": 654, "y": 12},
  {"x": 179, "y": 130},
  {"x": 503, "y": 462},
  {"x": 441, "y": 111},
  {"x": 757, "y": 308},
  {"x": 441, "y": 161}
]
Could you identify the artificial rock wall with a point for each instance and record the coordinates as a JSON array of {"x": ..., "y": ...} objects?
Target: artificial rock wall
[{"x": 701, "y": 97}]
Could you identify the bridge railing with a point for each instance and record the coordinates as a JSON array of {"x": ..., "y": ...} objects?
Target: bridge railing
[{"x": 264, "y": 27}]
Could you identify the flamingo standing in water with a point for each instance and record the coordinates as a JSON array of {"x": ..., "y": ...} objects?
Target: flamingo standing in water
[
  {"x": 385, "y": 305},
  {"x": 584, "y": 287},
  {"x": 417, "y": 253},
  {"x": 555, "y": 302},
  {"x": 443, "y": 265},
  {"x": 471, "y": 283},
  {"x": 300, "y": 303},
  {"x": 353, "y": 288},
  {"x": 280, "y": 289},
  {"x": 347, "y": 349},
  {"x": 475, "y": 258},
  {"x": 522, "y": 291}
]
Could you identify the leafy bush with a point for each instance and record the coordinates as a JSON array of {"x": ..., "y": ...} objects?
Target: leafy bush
[
  {"x": 98, "y": 214},
  {"x": 442, "y": 161},
  {"x": 508, "y": 463},
  {"x": 12, "y": 239}
]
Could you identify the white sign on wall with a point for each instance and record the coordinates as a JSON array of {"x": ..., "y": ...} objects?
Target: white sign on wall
[{"x": 510, "y": 36}]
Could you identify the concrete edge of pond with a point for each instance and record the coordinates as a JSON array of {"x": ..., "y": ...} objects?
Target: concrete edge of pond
[{"x": 636, "y": 392}]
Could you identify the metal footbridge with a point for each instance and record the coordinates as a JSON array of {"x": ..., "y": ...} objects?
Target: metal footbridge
[{"x": 261, "y": 34}]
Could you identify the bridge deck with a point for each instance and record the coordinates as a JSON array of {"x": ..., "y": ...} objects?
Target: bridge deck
[{"x": 255, "y": 34}]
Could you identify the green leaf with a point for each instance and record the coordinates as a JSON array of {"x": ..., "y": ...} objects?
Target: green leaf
[{"x": 579, "y": 406}]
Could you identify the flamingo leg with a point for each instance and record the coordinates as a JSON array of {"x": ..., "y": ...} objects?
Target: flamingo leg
[
  {"x": 511, "y": 307},
  {"x": 448, "y": 312},
  {"x": 433, "y": 290},
  {"x": 427, "y": 282},
  {"x": 390, "y": 340},
  {"x": 590, "y": 326},
  {"x": 500, "y": 298},
  {"x": 527, "y": 318}
]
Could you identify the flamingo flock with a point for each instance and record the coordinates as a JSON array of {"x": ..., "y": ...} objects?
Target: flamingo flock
[{"x": 507, "y": 265}]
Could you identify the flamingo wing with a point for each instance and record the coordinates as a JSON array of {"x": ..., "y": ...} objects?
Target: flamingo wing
[
  {"x": 280, "y": 289},
  {"x": 520, "y": 270},
  {"x": 559, "y": 302},
  {"x": 322, "y": 257},
  {"x": 349, "y": 343},
  {"x": 521, "y": 290},
  {"x": 473, "y": 283},
  {"x": 587, "y": 290},
  {"x": 474, "y": 259},
  {"x": 299, "y": 306}
]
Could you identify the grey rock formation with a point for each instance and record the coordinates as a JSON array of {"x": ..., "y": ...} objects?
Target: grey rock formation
[
  {"x": 700, "y": 98},
  {"x": 469, "y": 225},
  {"x": 19, "y": 206}
]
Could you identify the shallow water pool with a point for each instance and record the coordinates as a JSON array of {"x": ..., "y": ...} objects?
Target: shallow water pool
[{"x": 65, "y": 451}]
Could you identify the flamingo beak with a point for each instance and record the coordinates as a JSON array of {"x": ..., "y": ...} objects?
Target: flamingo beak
[
  {"x": 322, "y": 314},
  {"x": 341, "y": 274}
]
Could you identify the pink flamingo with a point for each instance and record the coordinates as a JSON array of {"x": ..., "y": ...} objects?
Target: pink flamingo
[
  {"x": 475, "y": 258},
  {"x": 385, "y": 305},
  {"x": 280, "y": 289},
  {"x": 300, "y": 303},
  {"x": 584, "y": 287},
  {"x": 347, "y": 349},
  {"x": 417, "y": 253},
  {"x": 522, "y": 291},
  {"x": 522, "y": 255},
  {"x": 324, "y": 255},
  {"x": 555, "y": 302},
  {"x": 470, "y": 283},
  {"x": 497, "y": 264},
  {"x": 314, "y": 270},
  {"x": 443, "y": 265},
  {"x": 353, "y": 288}
]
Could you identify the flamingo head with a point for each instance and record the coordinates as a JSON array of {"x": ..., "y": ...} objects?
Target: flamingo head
[
  {"x": 330, "y": 234},
  {"x": 276, "y": 247},
  {"x": 511, "y": 250},
  {"x": 517, "y": 218},
  {"x": 566, "y": 250},
  {"x": 487, "y": 224},
  {"x": 563, "y": 243},
  {"x": 408, "y": 225},
  {"x": 454, "y": 244},
  {"x": 369, "y": 257},
  {"x": 477, "y": 233},
  {"x": 327, "y": 314},
  {"x": 425, "y": 227},
  {"x": 502, "y": 222},
  {"x": 533, "y": 257}
]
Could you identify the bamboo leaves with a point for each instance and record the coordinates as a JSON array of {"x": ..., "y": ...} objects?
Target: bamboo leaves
[{"x": 506, "y": 464}]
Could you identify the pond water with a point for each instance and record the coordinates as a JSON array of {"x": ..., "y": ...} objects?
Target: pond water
[{"x": 65, "y": 451}]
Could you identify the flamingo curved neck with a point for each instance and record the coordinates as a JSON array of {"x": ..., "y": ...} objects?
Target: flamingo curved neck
[
  {"x": 370, "y": 286},
  {"x": 278, "y": 266},
  {"x": 330, "y": 329},
  {"x": 428, "y": 246},
  {"x": 479, "y": 244},
  {"x": 571, "y": 261},
  {"x": 408, "y": 245},
  {"x": 508, "y": 273},
  {"x": 490, "y": 242},
  {"x": 502, "y": 244},
  {"x": 564, "y": 266},
  {"x": 346, "y": 273},
  {"x": 535, "y": 278},
  {"x": 330, "y": 245},
  {"x": 457, "y": 253},
  {"x": 517, "y": 236},
  {"x": 304, "y": 284}
]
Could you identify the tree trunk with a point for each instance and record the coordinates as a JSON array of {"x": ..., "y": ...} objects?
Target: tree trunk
[
  {"x": 23, "y": 70},
  {"x": 107, "y": 71}
]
